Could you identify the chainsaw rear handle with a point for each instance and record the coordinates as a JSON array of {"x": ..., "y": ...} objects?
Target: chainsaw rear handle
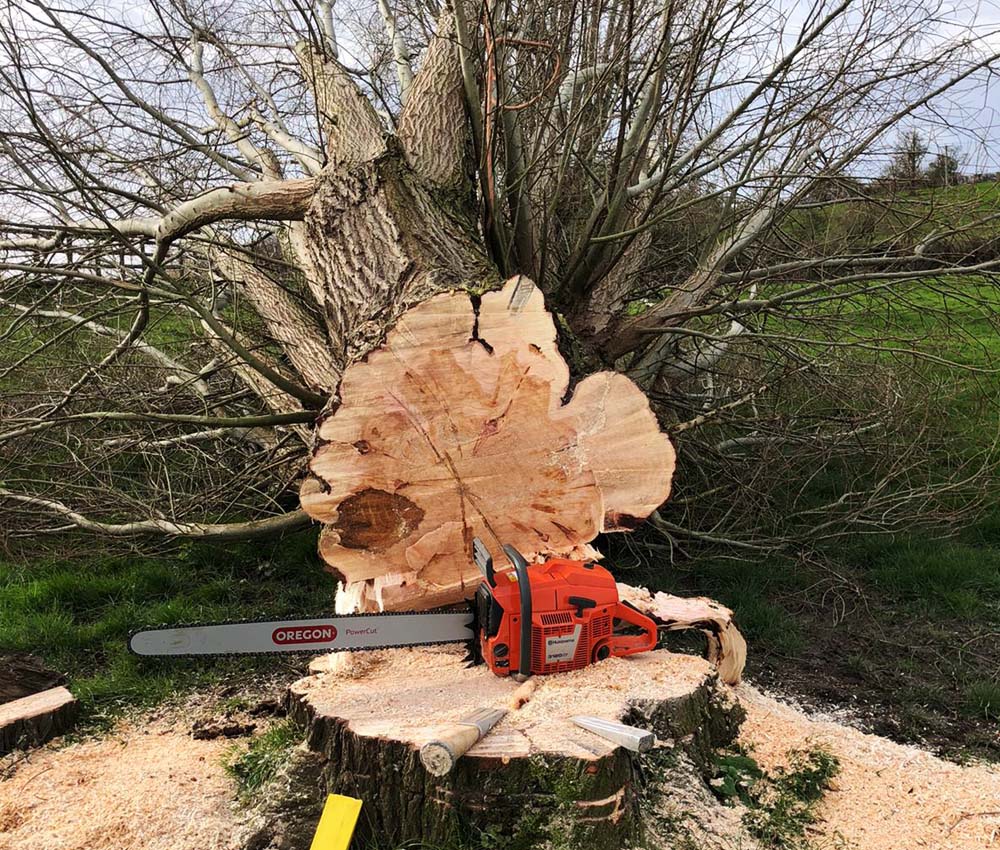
[
  {"x": 631, "y": 644},
  {"x": 524, "y": 590}
]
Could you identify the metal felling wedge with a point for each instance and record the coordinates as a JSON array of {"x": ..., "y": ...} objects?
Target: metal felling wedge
[
  {"x": 630, "y": 737},
  {"x": 336, "y": 824}
]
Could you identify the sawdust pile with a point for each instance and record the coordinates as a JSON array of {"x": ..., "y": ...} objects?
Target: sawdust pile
[
  {"x": 154, "y": 788},
  {"x": 887, "y": 796}
]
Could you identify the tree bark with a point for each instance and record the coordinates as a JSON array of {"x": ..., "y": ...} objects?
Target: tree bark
[
  {"x": 33, "y": 720},
  {"x": 378, "y": 240}
]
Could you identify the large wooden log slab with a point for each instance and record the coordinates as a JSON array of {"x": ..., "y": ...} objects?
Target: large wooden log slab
[
  {"x": 35, "y": 719},
  {"x": 536, "y": 777},
  {"x": 458, "y": 427}
]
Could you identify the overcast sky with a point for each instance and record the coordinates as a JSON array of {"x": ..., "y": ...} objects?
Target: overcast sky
[{"x": 966, "y": 122}]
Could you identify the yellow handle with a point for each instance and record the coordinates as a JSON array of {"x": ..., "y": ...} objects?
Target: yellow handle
[{"x": 336, "y": 824}]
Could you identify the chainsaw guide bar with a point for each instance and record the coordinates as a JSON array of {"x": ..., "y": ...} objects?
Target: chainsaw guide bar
[{"x": 336, "y": 633}]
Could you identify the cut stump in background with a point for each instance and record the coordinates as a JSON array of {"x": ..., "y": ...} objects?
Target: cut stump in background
[
  {"x": 33, "y": 720},
  {"x": 455, "y": 428},
  {"x": 537, "y": 777}
]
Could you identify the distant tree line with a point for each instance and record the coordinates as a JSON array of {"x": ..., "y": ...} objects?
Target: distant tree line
[{"x": 906, "y": 168}]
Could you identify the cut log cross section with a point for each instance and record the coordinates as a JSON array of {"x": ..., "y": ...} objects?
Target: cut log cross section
[
  {"x": 35, "y": 719},
  {"x": 458, "y": 426}
]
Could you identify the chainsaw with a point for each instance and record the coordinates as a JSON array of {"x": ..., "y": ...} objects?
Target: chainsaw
[{"x": 525, "y": 619}]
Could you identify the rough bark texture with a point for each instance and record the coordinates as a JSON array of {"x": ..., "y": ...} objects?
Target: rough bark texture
[
  {"x": 376, "y": 240},
  {"x": 300, "y": 335},
  {"x": 432, "y": 126},
  {"x": 455, "y": 429},
  {"x": 537, "y": 779},
  {"x": 33, "y": 720},
  {"x": 352, "y": 130}
]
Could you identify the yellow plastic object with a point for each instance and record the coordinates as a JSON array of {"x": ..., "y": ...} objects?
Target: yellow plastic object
[{"x": 336, "y": 824}]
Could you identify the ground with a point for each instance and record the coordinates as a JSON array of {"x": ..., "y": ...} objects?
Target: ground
[
  {"x": 907, "y": 662},
  {"x": 886, "y": 796},
  {"x": 149, "y": 785},
  {"x": 901, "y": 632}
]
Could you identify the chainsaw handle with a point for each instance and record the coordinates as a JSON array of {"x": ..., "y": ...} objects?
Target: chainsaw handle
[
  {"x": 524, "y": 589},
  {"x": 631, "y": 644}
]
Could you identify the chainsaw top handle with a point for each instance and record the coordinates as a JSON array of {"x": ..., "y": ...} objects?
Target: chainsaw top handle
[
  {"x": 524, "y": 590},
  {"x": 630, "y": 644}
]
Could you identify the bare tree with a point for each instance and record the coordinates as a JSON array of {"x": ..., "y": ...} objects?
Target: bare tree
[
  {"x": 906, "y": 166},
  {"x": 210, "y": 209}
]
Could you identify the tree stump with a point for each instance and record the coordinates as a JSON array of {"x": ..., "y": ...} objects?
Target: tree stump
[
  {"x": 33, "y": 720},
  {"x": 537, "y": 778}
]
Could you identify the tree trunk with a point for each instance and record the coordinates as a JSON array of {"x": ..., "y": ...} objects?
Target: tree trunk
[
  {"x": 453, "y": 418},
  {"x": 449, "y": 419},
  {"x": 536, "y": 779}
]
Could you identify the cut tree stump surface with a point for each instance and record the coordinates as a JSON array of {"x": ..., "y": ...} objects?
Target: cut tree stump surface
[
  {"x": 411, "y": 695},
  {"x": 536, "y": 775},
  {"x": 36, "y": 719}
]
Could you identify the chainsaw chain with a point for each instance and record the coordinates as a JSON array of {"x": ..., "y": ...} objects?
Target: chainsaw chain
[{"x": 470, "y": 641}]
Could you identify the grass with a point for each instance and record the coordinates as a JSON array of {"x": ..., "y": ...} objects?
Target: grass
[
  {"x": 937, "y": 579},
  {"x": 908, "y": 623},
  {"x": 77, "y": 615},
  {"x": 780, "y": 805},
  {"x": 982, "y": 699},
  {"x": 253, "y": 767}
]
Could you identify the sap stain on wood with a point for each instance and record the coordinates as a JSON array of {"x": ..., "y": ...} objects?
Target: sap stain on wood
[{"x": 376, "y": 520}]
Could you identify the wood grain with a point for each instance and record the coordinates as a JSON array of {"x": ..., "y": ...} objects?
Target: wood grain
[
  {"x": 35, "y": 719},
  {"x": 456, "y": 427}
]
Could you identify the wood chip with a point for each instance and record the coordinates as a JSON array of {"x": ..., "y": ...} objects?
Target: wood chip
[
  {"x": 141, "y": 788},
  {"x": 888, "y": 796}
]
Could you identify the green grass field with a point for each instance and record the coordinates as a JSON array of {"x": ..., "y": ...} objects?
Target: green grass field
[
  {"x": 77, "y": 614},
  {"x": 904, "y": 628}
]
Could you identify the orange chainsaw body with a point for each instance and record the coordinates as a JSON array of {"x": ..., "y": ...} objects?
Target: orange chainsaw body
[{"x": 567, "y": 616}]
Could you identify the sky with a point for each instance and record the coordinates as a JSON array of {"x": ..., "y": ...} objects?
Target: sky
[{"x": 966, "y": 123}]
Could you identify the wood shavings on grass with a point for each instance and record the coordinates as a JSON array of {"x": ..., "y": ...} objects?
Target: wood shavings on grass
[
  {"x": 150, "y": 788},
  {"x": 887, "y": 796}
]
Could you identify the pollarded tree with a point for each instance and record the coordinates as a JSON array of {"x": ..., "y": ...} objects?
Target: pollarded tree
[{"x": 211, "y": 211}]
